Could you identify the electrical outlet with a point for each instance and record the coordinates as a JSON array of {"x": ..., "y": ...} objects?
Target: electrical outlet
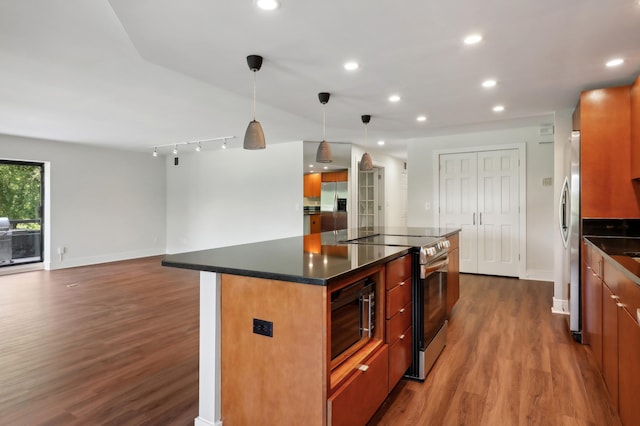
[{"x": 262, "y": 327}]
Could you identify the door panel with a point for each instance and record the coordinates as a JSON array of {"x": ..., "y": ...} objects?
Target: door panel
[
  {"x": 458, "y": 203},
  {"x": 479, "y": 193}
]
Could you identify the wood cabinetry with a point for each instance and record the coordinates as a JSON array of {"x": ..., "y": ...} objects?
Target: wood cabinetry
[
  {"x": 606, "y": 189},
  {"x": 315, "y": 223},
  {"x": 398, "y": 318},
  {"x": 339, "y": 176},
  {"x": 612, "y": 322},
  {"x": 453, "y": 272},
  {"x": 592, "y": 285},
  {"x": 635, "y": 129},
  {"x": 312, "y": 185},
  {"x": 356, "y": 401},
  {"x": 610, "y": 342}
]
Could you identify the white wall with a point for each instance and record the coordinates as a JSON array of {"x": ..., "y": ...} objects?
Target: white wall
[
  {"x": 395, "y": 190},
  {"x": 105, "y": 204},
  {"x": 562, "y": 169},
  {"x": 234, "y": 196},
  {"x": 539, "y": 203}
]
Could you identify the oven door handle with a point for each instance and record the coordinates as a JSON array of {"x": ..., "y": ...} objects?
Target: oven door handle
[{"x": 432, "y": 267}]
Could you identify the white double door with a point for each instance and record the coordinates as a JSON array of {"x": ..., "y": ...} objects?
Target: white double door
[{"x": 479, "y": 193}]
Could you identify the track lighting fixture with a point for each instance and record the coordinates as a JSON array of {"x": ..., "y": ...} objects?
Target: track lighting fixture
[
  {"x": 324, "y": 150},
  {"x": 198, "y": 145},
  {"x": 254, "y": 136}
]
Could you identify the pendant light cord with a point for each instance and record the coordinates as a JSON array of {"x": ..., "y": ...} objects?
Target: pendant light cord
[
  {"x": 254, "y": 96},
  {"x": 324, "y": 133}
]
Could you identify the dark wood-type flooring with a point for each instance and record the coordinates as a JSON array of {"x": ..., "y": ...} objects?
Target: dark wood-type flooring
[{"x": 117, "y": 344}]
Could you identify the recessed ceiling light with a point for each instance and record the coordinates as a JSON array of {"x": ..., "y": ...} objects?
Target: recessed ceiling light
[
  {"x": 394, "y": 98},
  {"x": 380, "y": 142},
  {"x": 498, "y": 108},
  {"x": 615, "y": 62},
  {"x": 268, "y": 4},
  {"x": 473, "y": 39},
  {"x": 421, "y": 118},
  {"x": 351, "y": 66},
  {"x": 489, "y": 83}
]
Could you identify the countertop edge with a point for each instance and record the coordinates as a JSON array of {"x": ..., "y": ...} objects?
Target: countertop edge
[
  {"x": 284, "y": 277},
  {"x": 627, "y": 273}
]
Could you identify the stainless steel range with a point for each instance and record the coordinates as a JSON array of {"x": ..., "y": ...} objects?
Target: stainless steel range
[{"x": 429, "y": 295}]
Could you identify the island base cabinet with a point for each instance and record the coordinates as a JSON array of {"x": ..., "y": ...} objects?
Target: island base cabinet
[
  {"x": 610, "y": 342},
  {"x": 357, "y": 400},
  {"x": 629, "y": 365},
  {"x": 400, "y": 358}
]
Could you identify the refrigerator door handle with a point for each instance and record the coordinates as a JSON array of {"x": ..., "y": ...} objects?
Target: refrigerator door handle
[{"x": 564, "y": 217}]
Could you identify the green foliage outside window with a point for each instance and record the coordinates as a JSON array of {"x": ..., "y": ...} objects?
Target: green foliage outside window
[{"x": 20, "y": 194}]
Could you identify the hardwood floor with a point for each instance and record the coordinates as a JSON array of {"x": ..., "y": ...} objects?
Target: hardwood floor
[
  {"x": 111, "y": 344},
  {"x": 117, "y": 344},
  {"x": 508, "y": 361}
]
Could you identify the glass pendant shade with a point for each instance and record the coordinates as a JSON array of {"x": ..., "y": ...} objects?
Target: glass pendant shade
[
  {"x": 366, "y": 163},
  {"x": 254, "y": 136},
  {"x": 323, "y": 155}
]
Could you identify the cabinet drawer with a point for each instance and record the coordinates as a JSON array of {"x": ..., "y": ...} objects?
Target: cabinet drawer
[
  {"x": 398, "y": 297},
  {"x": 397, "y": 325},
  {"x": 358, "y": 399},
  {"x": 398, "y": 270},
  {"x": 399, "y": 358}
]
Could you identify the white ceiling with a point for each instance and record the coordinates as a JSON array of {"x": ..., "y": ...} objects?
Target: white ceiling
[{"x": 134, "y": 74}]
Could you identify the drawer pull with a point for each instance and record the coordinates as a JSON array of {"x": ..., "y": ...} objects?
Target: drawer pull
[
  {"x": 402, "y": 283},
  {"x": 620, "y": 305},
  {"x": 614, "y": 297},
  {"x": 401, "y": 336},
  {"x": 402, "y": 310},
  {"x": 363, "y": 367}
]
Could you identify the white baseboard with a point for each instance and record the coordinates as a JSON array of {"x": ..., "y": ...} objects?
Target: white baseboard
[
  {"x": 94, "y": 260},
  {"x": 539, "y": 275},
  {"x": 199, "y": 421},
  {"x": 560, "y": 306},
  {"x": 22, "y": 268}
]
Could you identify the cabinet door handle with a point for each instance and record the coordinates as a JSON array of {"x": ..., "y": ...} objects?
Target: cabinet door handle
[
  {"x": 363, "y": 367},
  {"x": 620, "y": 305},
  {"x": 614, "y": 297},
  {"x": 401, "y": 336},
  {"x": 402, "y": 283},
  {"x": 402, "y": 310}
]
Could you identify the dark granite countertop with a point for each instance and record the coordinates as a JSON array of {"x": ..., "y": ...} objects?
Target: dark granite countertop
[
  {"x": 310, "y": 259},
  {"x": 620, "y": 250}
]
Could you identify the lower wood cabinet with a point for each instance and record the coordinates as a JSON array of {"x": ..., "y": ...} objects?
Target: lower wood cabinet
[
  {"x": 629, "y": 367},
  {"x": 400, "y": 357},
  {"x": 592, "y": 289},
  {"x": 453, "y": 273},
  {"x": 398, "y": 315},
  {"x": 610, "y": 342},
  {"x": 357, "y": 400}
]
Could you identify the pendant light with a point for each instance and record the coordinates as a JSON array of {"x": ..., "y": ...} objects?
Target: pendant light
[
  {"x": 366, "y": 164},
  {"x": 254, "y": 137},
  {"x": 324, "y": 150}
]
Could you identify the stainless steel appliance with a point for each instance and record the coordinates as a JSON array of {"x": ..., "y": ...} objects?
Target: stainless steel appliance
[
  {"x": 5, "y": 240},
  {"x": 430, "y": 307},
  {"x": 352, "y": 318},
  {"x": 575, "y": 235},
  {"x": 333, "y": 205},
  {"x": 430, "y": 258}
]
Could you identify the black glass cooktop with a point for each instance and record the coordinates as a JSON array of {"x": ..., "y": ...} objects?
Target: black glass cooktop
[{"x": 394, "y": 240}]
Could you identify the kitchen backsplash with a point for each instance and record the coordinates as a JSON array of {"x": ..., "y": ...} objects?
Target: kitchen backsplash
[{"x": 611, "y": 227}]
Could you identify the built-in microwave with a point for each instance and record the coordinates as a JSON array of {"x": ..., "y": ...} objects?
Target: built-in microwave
[{"x": 352, "y": 318}]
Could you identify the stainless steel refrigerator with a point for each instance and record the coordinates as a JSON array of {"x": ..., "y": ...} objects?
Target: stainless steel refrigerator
[
  {"x": 575, "y": 236},
  {"x": 333, "y": 206}
]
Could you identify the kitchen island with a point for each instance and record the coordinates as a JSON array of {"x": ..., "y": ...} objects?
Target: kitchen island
[{"x": 265, "y": 327}]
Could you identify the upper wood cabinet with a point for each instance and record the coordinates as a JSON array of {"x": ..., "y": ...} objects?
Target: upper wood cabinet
[
  {"x": 605, "y": 146},
  {"x": 635, "y": 129},
  {"x": 340, "y": 176},
  {"x": 312, "y": 185}
]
